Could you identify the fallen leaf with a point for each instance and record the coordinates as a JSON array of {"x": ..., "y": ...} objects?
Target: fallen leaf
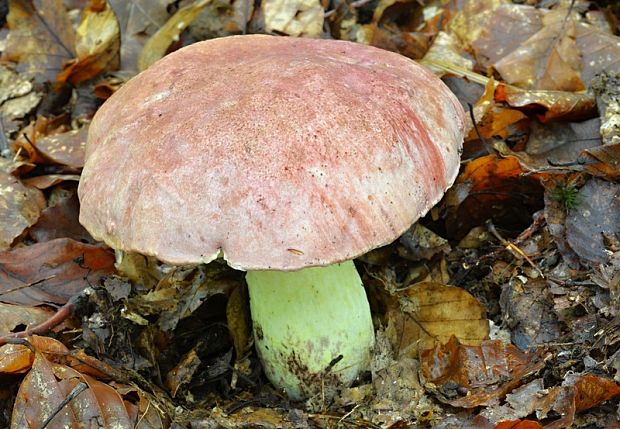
[
  {"x": 17, "y": 99},
  {"x": 51, "y": 272},
  {"x": 222, "y": 18},
  {"x": 59, "y": 221},
  {"x": 602, "y": 161},
  {"x": 595, "y": 215},
  {"x": 579, "y": 392},
  {"x": 600, "y": 51},
  {"x": 518, "y": 424},
  {"x": 472, "y": 20},
  {"x": 97, "y": 44},
  {"x": 48, "y": 180},
  {"x": 492, "y": 188},
  {"x": 549, "y": 105},
  {"x": 138, "y": 21},
  {"x": 396, "y": 26},
  {"x": 527, "y": 307},
  {"x": 471, "y": 376},
  {"x": 157, "y": 46},
  {"x": 18, "y": 318},
  {"x": 298, "y": 18},
  {"x": 561, "y": 143},
  {"x": 432, "y": 313},
  {"x": 547, "y": 60},
  {"x": 40, "y": 39},
  {"x": 507, "y": 27},
  {"x": 65, "y": 148},
  {"x": 20, "y": 207},
  {"x": 492, "y": 120},
  {"x": 445, "y": 48},
  {"x": 239, "y": 321},
  {"x": 183, "y": 372}
]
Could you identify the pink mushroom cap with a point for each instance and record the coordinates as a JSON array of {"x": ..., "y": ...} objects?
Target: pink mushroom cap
[{"x": 274, "y": 152}]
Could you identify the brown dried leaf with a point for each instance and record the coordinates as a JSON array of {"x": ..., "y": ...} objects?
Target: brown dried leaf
[
  {"x": 600, "y": 51},
  {"x": 528, "y": 309},
  {"x": 46, "y": 386},
  {"x": 27, "y": 138},
  {"x": 239, "y": 321},
  {"x": 49, "y": 180},
  {"x": 97, "y": 44},
  {"x": 547, "y": 60},
  {"x": 16, "y": 318},
  {"x": 157, "y": 46},
  {"x": 549, "y": 105},
  {"x": 432, "y": 313},
  {"x": 561, "y": 143},
  {"x": 472, "y": 20},
  {"x": 20, "y": 207},
  {"x": 65, "y": 148},
  {"x": 595, "y": 216},
  {"x": 492, "y": 187},
  {"x": 40, "y": 38},
  {"x": 491, "y": 119},
  {"x": 59, "y": 221},
  {"x": 518, "y": 424},
  {"x": 51, "y": 272},
  {"x": 507, "y": 28},
  {"x": 297, "y": 18},
  {"x": 222, "y": 18},
  {"x": 17, "y": 99},
  {"x": 579, "y": 392},
  {"x": 446, "y": 49},
  {"x": 398, "y": 26},
  {"x": 602, "y": 161},
  {"x": 183, "y": 372},
  {"x": 138, "y": 21},
  {"x": 470, "y": 376},
  {"x": 18, "y": 358}
]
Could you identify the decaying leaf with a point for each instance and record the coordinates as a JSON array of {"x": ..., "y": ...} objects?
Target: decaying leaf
[
  {"x": 549, "y": 59},
  {"x": 51, "y": 272},
  {"x": 157, "y": 46},
  {"x": 17, "y": 318},
  {"x": 492, "y": 187},
  {"x": 222, "y": 18},
  {"x": 527, "y": 307},
  {"x": 17, "y": 99},
  {"x": 445, "y": 49},
  {"x": 470, "y": 376},
  {"x": 549, "y": 105},
  {"x": 48, "y": 384},
  {"x": 61, "y": 220},
  {"x": 97, "y": 44},
  {"x": 602, "y": 161},
  {"x": 432, "y": 313},
  {"x": 65, "y": 148},
  {"x": 294, "y": 18},
  {"x": 41, "y": 37},
  {"x": 20, "y": 207},
  {"x": 560, "y": 143},
  {"x": 492, "y": 120},
  {"x": 594, "y": 217}
]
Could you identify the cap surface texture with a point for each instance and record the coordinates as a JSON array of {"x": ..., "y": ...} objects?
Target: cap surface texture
[{"x": 278, "y": 153}]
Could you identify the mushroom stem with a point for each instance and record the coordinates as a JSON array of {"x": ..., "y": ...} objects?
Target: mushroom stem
[{"x": 313, "y": 328}]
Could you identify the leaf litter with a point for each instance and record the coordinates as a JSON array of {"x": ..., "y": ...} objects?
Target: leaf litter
[{"x": 498, "y": 309}]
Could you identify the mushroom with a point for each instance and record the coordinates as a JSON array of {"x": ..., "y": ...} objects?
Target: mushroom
[{"x": 288, "y": 158}]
